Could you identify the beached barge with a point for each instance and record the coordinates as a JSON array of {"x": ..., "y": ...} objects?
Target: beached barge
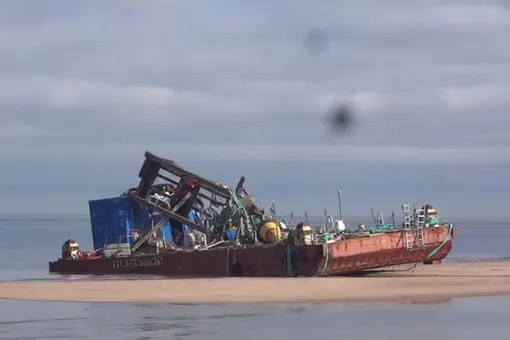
[{"x": 189, "y": 226}]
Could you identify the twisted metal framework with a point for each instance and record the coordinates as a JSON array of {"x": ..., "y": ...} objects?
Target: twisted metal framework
[{"x": 218, "y": 205}]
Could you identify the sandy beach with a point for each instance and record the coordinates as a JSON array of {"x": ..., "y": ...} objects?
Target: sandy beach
[{"x": 424, "y": 283}]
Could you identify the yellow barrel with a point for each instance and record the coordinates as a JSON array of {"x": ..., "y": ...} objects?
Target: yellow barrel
[{"x": 269, "y": 232}]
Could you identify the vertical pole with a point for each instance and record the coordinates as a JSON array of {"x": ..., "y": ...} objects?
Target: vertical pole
[
  {"x": 340, "y": 204},
  {"x": 274, "y": 212},
  {"x": 207, "y": 233}
]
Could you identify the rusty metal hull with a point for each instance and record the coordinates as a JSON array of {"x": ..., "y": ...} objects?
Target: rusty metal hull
[{"x": 337, "y": 258}]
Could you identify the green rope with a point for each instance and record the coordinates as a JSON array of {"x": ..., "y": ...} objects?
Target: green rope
[
  {"x": 326, "y": 261},
  {"x": 323, "y": 238},
  {"x": 381, "y": 228},
  {"x": 446, "y": 239},
  {"x": 288, "y": 260},
  {"x": 240, "y": 208}
]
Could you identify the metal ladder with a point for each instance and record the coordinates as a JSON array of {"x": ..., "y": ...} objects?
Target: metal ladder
[
  {"x": 408, "y": 237},
  {"x": 419, "y": 226}
]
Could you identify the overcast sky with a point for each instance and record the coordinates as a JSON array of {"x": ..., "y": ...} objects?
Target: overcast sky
[{"x": 232, "y": 88}]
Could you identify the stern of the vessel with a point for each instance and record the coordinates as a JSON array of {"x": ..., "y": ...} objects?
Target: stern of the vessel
[{"x": 384, "y": 250}]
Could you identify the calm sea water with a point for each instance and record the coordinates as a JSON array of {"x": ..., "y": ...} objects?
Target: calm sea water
[{"x": 27, "y": 244}]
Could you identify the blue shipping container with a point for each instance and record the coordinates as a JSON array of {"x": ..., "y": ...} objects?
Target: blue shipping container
[
  {"x": 114, "y": 219},
  {"x": 111, "y": 221},
  {"x": 141, "y": 217}
]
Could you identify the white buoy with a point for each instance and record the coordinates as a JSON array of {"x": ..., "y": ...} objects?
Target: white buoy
[
  {"x": 283, "y": 226},
  {"x": 339, "y": 225},
  {"x": 329, "y": 224}
]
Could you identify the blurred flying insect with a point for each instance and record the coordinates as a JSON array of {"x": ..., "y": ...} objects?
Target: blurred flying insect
[
  {"x": 340, "y": 118},
  {"x": 316, "y": 41}
]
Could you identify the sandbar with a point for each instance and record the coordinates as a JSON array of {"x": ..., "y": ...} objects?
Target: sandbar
[{"x": 432, "y": 282}]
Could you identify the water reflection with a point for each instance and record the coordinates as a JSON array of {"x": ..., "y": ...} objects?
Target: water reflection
[
  {"x": 156, "y": 321},
  {"x": 431, "y": 302},
  {"x": 464, "y": 319},
  {"x": 177, "y": 327}
]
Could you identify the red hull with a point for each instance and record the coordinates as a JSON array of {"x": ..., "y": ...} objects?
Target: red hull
[{"x": 341, "y": 257}]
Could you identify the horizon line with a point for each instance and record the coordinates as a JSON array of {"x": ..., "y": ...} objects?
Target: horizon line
[{"x": 87, "y": 216}]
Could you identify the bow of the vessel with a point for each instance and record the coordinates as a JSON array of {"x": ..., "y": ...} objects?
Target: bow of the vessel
[{"x": 386, "y": 249}]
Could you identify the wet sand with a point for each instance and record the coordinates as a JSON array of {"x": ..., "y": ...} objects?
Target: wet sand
[{"x": 424, "y": 283}]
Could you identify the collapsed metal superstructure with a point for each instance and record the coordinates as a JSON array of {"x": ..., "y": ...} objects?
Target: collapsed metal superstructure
[{"x": 219, "y": 209}]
